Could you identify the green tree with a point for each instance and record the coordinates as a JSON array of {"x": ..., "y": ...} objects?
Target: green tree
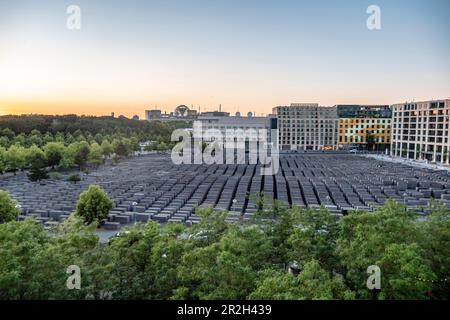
[
  {"x": 59, "y": 137},
  {"x": 366, "y": 238},
  {"x": 82, "y": 154},
  {"x": 38, "y": 171},
  {"x": 98, "y": 138},
  {"x": 165, "y": 258},
  {"x": 74, "y": 178},
  {"x": 370, "y": 140},
  {"x": 405, "y": 274},
  {"x": 2, "y": 160},
  {"x": 258, "y": 199},
  {"x": 33, "y": 263},
  {"x": 47, "y": 138},
  {"x": 107, "y": 148},
  {"x": 72, "y": 243},
  {"x": 8, "y": 133},
  {"x": 19, "y": 244},
  {"x": 273, "y": 284},
  {"x": 224, "y": 262},
  {"x": 93, "y": 205},
  {"x": 162, "y": 146},
  {"x": 4, "y": 142},
  {"x": 54, "y": 152},
  {"x": 280, "y": 232},
  {"x": 8, "y": 209},
  {"x": 212, "y": 273},
  {"x": 212, "y": 225},
  {"x": 131, "y": 255},
  {"x": 95, "y": 154},
  {"x": 134, "y": 144},
  {"x": 78, "y": 135},
  {"x": 313, "y": 283},
  {"x": 314, "y": 237},
  {"x": 435, "y": 243},
  {"x": 35, "y": 132},
  {"x": 151, "y": 146},
  {"x": 32, "y": 153},
  {"x": 120, "y": 148},
  {"x": 68, "y": 157},
  {"x": 69, "y": 139},
  {"x": 20, "y": 140},
  {"x": 15, "y": 158},
  {"x": 34, "y": 139}
]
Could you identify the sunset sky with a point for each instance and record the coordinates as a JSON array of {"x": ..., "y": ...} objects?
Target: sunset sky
[{"x": 248, "y": 55}]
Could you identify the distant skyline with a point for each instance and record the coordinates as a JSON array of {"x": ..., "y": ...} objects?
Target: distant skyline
[{"x": 248, "y": 55}]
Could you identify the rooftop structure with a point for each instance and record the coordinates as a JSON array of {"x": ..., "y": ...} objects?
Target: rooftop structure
[{"x": 180, "y": 113}]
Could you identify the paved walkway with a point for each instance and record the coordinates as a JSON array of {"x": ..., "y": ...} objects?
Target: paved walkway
[{"x": 408, "y": 162}]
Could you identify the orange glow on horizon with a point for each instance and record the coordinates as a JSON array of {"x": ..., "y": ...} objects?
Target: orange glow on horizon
[{"x": 103, "y": 107}]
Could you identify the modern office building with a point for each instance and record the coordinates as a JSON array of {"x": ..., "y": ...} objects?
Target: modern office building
[
  {"x": 222, "y": 122},
  {"x": 420, "y": 131},
  {"x": 364, "y": 126},
  {"x": 307, "y": 126}
]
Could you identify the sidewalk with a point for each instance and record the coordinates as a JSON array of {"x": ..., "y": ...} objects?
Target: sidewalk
[{"x": 408, "y": 162}]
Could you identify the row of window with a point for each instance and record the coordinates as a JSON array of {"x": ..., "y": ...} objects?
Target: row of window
[
  {"x": 368, "y": 121},
  {"x": 430, "y": 132},
  {"x": 423, "y": 148},
  {"x": 420, "y": 139},
  {"x": 307, "y": 121},
  {"x": 233, "y": 127},
  {"x": 385, "y": 132},
  {"x": 419, "y": 126},
  {"x": 302, "y": 142},
  {"x": 421, "y": 113},
  {"x": 360, "y": 139},
  {"x": 429, "y": 119},
  {"x": 284, "y": 131},
  {"x": 364, "y": 127},
  {"x": 414, "y": 106}
]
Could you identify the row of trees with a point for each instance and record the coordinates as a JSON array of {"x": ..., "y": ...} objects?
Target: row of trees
[
  {"x": 37, "y": 141},
  {"x": 215, "y": 260},
  {"x": 36, "y": 138},
  {"x": 57, "y": 154},
  {"x": 42, "y": 127},
  {"x": 159, "y": 146}
]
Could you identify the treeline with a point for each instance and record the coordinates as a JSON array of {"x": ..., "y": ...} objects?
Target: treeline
[
  {"x": 75, "y": 141},
  {"x": 37, "y": 150},
  {"x": 144, "y": 130},
  {"x": 284, "y": 253}
]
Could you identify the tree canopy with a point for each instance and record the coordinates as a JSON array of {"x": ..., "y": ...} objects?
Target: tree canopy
[
  {"x": 93, "y": 205},
  {"x": 217, "y": 260},
  {"x": 8, "y": 208}
]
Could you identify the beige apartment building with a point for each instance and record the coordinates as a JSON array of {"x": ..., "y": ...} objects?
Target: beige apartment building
[{"x": 306, "y": 126}]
